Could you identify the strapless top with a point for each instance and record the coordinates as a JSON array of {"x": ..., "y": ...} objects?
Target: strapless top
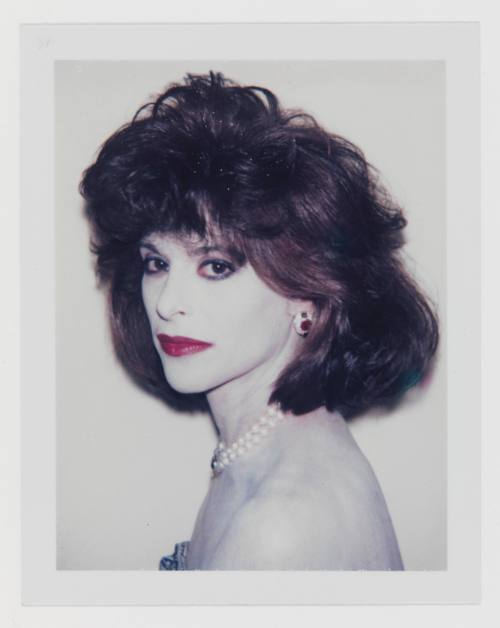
[{"x": 177, "y": 560}]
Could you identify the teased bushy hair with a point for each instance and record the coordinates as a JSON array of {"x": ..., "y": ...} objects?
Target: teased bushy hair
[{"x": 305, "y": 209}]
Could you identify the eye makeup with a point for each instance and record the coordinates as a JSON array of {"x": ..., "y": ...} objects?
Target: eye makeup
[
  {"x": 218, "y": 263},
  {"x": 156, "y": 263},
  {"x": 236, "y": 256}
]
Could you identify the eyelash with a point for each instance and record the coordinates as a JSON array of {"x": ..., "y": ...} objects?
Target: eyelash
[
  {"x": 229, "y": 269},
  {"x": 146, "y": 265},
  {"x": 164, "y": 267}
]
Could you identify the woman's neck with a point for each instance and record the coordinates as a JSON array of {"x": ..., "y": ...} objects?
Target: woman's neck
[
  {"x": 235, "y": 412},
  {"x": 237, "y": 405}
]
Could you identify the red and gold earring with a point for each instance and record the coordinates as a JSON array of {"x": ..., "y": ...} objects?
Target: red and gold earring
[{"x": 302, "y": 322}]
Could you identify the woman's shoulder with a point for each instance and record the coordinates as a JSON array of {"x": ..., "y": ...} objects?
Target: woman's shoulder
[
  {"x": 346, "y": 495},
  {"x": 299, "y": 531},
  {"x": 339, "y": 522},
  {"x": 321, "y": 507},
  {"x": 321, "y": 458}
]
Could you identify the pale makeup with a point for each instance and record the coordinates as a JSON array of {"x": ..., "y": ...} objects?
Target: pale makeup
[{"x": 207, "y": 296}]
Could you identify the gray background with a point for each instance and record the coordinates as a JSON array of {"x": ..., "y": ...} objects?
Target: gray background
[{"x": 130, "y": 472}]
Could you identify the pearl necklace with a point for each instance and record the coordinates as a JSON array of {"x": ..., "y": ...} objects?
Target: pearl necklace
[{"x": 225, "y": 455}]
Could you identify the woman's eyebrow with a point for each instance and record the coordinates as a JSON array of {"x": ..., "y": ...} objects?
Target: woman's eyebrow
[
  {"x": 150, "y": 246},
  {"x": 230, "y": 251},
  {"x": 203, "y": 250},
  {"x": 200, "y": 250}
]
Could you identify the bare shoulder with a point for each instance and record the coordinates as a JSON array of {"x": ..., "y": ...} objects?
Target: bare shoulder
[
  {"x": 329, "y": 515},
  {"x": 266, "y": 534}
]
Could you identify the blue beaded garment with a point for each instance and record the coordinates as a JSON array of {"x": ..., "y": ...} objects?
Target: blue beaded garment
[{"x": 177, "y": 560}]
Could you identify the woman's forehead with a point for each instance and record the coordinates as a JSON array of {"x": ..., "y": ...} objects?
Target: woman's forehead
[
  {"x": 181, "y": 239},
  {"x": 185, "y": 240}
]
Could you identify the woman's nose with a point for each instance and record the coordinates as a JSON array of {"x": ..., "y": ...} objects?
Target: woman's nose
[{"x": 172, "y": 298}]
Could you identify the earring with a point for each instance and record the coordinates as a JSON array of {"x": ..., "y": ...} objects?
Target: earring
[{"x": 302, "y": 322}]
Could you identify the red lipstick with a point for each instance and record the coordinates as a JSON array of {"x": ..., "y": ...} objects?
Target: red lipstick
[{"x": 180, "y": 345}]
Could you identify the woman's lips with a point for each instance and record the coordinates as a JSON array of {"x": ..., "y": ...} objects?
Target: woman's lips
[{"x": 180, "y": 345}]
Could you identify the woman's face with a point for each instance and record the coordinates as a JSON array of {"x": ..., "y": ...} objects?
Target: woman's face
[{"x": 212, "y": 320}]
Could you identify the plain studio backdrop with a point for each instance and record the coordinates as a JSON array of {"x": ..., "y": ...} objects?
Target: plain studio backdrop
[{"x": 132, "y": 473}]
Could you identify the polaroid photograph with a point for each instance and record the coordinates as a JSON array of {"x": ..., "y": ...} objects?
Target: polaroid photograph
[{"x": 252, "y": 363}]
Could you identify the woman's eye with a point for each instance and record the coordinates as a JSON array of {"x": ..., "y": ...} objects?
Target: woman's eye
[
  {"x": 217, "y": 269},
  {"x": 153, "y": 265}
]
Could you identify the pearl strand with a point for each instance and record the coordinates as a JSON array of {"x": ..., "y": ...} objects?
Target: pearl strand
[{"x": 224, "y": 455}]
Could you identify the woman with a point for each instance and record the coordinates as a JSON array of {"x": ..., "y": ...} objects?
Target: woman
[{"x": 252, "y": 265}]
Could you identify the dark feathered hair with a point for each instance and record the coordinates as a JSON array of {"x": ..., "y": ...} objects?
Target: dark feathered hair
[{"x": 302, "y": 206}]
